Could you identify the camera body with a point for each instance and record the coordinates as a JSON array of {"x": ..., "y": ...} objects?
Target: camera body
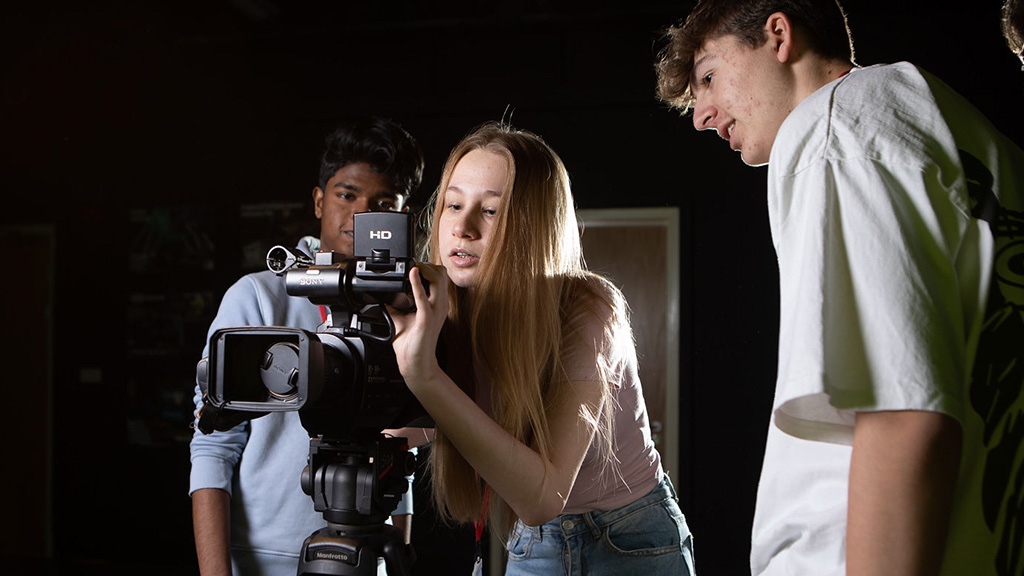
[{"x": 343, "y": 380}]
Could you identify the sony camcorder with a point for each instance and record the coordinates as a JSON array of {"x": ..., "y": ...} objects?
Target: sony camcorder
[{"x": 343, "y": 380}]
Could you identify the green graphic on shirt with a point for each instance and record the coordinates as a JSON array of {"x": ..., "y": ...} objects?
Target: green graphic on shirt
[{"x": 997, "y": 380}]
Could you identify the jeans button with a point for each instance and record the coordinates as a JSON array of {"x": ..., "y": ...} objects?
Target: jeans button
[{"x": 567, "y": 524}]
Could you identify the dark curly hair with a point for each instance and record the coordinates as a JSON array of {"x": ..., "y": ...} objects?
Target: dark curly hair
[
  {"x": 823, "y": 22},
  {"x": 381, "y": 143},
  {"x": 1013, "y": 26}
]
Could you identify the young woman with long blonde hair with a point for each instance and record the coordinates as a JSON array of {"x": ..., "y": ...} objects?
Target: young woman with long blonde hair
[{"x": 539, "y": 409}]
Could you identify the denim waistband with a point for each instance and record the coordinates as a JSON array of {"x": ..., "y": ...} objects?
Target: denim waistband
[{"x": 569, "y": 525}]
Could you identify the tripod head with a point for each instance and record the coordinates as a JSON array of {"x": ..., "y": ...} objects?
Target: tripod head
[{"x": 356, "y": 485}]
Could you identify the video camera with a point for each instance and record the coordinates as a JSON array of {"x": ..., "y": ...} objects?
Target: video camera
[{"x": 345, "y": 384}]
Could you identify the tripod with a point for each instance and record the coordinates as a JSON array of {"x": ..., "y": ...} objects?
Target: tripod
[{"x": 356, "y": 485}]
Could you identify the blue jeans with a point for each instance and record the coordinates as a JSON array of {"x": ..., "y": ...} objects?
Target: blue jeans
[{"x": 647, "y": 537}]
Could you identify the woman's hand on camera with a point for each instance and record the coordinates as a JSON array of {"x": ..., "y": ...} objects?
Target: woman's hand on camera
[{"x": 417, "y": 331}]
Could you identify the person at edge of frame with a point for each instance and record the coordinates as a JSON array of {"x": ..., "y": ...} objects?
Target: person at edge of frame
[{"x": 895, "y": 209}]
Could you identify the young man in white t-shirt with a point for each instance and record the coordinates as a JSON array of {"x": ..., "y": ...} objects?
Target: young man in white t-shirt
[{"x": 897, "y": 217}]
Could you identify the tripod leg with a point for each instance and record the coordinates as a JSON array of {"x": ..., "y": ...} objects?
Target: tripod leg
[{"x": 398, "y": 556}]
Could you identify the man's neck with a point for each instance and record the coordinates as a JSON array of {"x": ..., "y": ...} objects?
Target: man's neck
[
  {"x": 835, "y": 70},
  {"x": 815, "y": 73}
]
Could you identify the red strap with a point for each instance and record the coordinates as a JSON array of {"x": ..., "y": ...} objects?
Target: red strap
[
  {"x": 483, "y": 514},
  {"x": 323, "y": 314}
]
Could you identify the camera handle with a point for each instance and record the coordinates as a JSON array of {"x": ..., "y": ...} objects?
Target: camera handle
[{"x": 359, "y": 324}]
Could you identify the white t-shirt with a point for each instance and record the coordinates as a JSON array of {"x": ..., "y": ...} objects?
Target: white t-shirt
[{"x": 875, "y": 187}]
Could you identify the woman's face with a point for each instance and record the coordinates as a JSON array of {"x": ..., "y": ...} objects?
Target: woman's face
[{"x": 471, "y": 204}]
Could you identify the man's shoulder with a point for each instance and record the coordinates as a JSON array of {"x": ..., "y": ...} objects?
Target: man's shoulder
[
  {"x": 263, "y": 281},
  {"x": 880, "y": 72},
  {"x": 896, "y": 84},
  {"x": 872, "y": 90},
  {"x": 257, "y": 290},
  {"x": 869, "y": 113},
  {"x": 265, "y": 278}
]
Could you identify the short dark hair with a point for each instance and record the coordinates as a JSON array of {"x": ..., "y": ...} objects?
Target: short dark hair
[
  {"x": 1013, "y": 25},
  {"x": 822, "y": 21},
  {"x": 381, "y": 143}
]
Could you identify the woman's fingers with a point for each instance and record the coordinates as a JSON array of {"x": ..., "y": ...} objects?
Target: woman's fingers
[
  {"x": 436, "y": 277},
  {"x": 419, "y": 293},
  {"x": 431, "y": 304}
]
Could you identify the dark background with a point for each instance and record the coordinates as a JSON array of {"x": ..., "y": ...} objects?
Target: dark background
[{"x": 151, "y": 151}]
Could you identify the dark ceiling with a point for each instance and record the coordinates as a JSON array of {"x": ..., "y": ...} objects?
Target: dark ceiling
[{"x": 144, "y": 102}]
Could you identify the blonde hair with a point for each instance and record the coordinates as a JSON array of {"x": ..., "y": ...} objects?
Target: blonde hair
[{"x": 532, "y": 278}]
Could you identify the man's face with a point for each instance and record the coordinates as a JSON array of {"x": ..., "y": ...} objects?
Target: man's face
[
  {"x": 743, "y": 94},
  {"x": 353, "y": 188}
]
